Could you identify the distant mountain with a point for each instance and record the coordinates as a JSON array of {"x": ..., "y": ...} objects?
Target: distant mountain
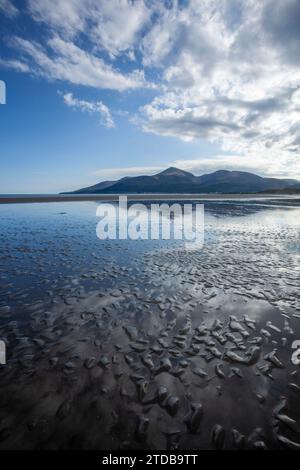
[
  {"x": 95, "y": 188},
  {"x": 293, "y": 189},
  {"x": 174, "y": 180}
]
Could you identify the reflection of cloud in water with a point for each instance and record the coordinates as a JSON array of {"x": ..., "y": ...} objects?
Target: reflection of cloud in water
[
  {"x": 110, "y": 329},
  {"x": 253, "y": 216}
]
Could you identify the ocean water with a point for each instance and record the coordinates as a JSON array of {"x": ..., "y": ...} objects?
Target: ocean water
[{"x": 156, "y": 344}]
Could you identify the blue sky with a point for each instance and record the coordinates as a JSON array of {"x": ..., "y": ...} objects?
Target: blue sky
[{"x": 98, "y": 90}]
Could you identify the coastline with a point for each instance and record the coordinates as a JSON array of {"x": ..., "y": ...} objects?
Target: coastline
[{"x": 22, "y": 199}]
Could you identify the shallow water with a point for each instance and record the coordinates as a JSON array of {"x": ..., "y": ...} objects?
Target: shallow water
[{"x": 150, "y": 344}]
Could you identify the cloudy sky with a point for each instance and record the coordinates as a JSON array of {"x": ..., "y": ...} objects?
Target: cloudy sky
[{"x": 99, "y": 89}]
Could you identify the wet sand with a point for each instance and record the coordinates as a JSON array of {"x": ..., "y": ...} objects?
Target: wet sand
[{"x": 167, "y": 349}]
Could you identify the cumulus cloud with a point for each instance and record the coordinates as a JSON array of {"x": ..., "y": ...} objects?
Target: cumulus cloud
[
  {"x": 281, "y": 21},
  {"x": 231, "y": 72},
  {"x": 227, "y": 71},
  {"x": 111, "y": 25},
  {"x": 90, "y": 107},
  {"x": 67, "y": 17},
  {"x": 75, "y": 32},
  {"x": 117, "y": 26}
]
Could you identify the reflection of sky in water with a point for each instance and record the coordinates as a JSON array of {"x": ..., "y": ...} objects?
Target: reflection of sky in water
[
  {"x": 44, "y": 240},
  {"x": 246, "y": 267}
]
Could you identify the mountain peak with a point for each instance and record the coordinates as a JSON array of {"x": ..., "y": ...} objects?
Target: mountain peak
[
  {"x": 173, "y": 171},
  {"x": 176, "y": 181}
]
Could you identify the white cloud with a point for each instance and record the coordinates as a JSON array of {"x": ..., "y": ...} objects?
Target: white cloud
[
  {"x": 15, "y": 64},
  {"x": 117, "y": 24},
  {"x": 65, "y": 61},
  {"x": 231, "y": 72},
  {"x": 160, "y": 39},
  {"x": 259, "y": 165},
  {"x": 90, "y": 107},
  {"x": 227, "y": 71},
  {"x": 207, "y": 164},
  {"x": 111, "y": 25},
  {"x": 8, "y": 8},
  {"x": 68, "y": 16}
]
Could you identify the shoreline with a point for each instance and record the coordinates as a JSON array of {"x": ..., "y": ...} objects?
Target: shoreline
[{"x": 139, "y": 197}]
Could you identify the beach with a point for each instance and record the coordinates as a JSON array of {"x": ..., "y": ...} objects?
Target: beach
[
  {"x": 123, "y": 344},
  {"x": 31, "y": 199}
]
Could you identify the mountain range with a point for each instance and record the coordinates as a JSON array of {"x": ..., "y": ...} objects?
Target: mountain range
[{"x": 173, "y": 180}]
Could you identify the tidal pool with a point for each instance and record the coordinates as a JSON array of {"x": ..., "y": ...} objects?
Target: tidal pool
[{"x": 122, "y": 344}]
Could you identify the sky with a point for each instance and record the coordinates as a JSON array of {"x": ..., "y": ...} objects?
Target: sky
[{"x": 97, "y": 89}]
